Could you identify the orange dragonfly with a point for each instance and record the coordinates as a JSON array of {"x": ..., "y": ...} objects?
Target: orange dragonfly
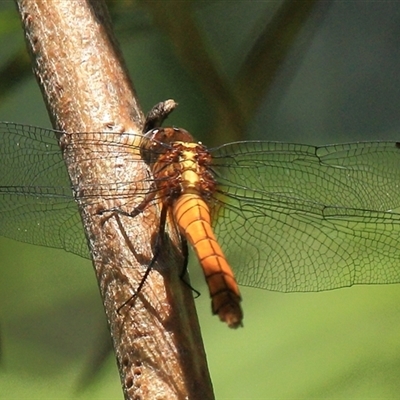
[{"x": 289, "y": 217}]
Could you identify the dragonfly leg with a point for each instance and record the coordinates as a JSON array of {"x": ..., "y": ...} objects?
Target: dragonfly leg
[
  {"x": 156, "y": 253},
  {"x": 185, "y": 253},
  {"x": 140, "y": 286},
  {"x": 136, "y": 211},
  {"x": 149, "y": 267}
]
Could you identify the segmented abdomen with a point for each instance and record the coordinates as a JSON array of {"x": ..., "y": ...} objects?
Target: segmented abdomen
[{"x": 193, "y": 218}]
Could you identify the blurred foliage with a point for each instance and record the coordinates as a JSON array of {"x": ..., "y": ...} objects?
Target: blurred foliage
[{"x": 293, "y": 71}]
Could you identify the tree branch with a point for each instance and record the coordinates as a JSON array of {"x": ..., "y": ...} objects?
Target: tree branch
[
  {"x": 234, "y": 103},
  {"x": 269, "y": 52},
  {"x": 192, "y": 50},
  {"x": 84, "y": 82}
]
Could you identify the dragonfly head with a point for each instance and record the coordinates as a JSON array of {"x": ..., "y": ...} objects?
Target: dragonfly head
[{"x": 158, "y": 141}]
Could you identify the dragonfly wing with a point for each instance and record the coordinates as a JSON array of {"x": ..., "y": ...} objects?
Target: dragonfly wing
[
  {"x": 36, "y": 198},
  {"x": 45, "y": 221},
  {"x": 299, "y": 218},
  {"x": 37, "y": 201}
]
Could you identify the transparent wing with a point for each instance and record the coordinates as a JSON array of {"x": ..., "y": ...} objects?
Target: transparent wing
[
  {"x": 298, "y": 218},
  {"x": 36, "y": 198}
]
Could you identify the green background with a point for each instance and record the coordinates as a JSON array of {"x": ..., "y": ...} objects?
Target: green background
[{"x": 339, "y": 82}]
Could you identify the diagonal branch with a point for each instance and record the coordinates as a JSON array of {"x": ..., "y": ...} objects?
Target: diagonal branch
[
  {"x": 85, "y": 86},
  {"x": 178, "y": 22},
  {"x": 269, "y": 52},
  {"x": 234, "y": 103}
]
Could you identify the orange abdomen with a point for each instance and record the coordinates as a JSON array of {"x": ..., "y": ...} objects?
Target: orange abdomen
[{"x": 193, "y": 218}]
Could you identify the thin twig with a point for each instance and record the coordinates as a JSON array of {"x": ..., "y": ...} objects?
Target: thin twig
[
  {"x": 270, "y": 50},
  {"x": 84, "y": 82},
  {"x": 234, "y": 102},
  {"x": 179, "y": 24}
]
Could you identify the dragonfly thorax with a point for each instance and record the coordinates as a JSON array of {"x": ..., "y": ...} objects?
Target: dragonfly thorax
[
  {"x": 158, "y": 141},
  {"x": 181, "y": 167}
]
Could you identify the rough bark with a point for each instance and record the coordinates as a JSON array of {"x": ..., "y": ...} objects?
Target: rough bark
[{"x": 85, "y": 86}]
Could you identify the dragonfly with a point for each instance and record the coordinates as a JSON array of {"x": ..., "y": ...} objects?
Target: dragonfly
[{"x": 276, "y": 216}]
